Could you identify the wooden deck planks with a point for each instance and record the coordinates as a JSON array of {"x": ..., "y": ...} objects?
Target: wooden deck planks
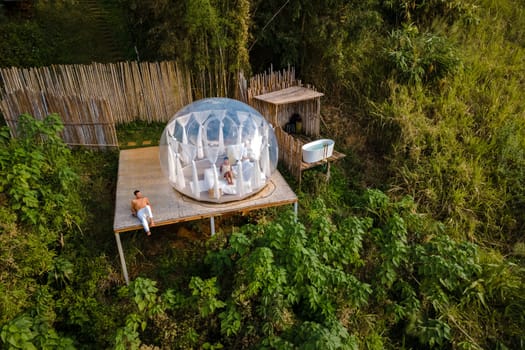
[
  {"x": 335, "y": 156},
  {"x": 140, "y": 169}
]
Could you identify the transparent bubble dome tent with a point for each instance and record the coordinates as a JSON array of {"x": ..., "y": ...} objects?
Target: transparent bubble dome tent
[{"x": 218, "y": 150}]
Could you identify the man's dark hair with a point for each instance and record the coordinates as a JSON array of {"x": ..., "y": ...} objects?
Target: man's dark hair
[{"x": 135, "y": 192}]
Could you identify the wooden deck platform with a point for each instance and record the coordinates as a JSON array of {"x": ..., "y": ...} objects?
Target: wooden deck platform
[
  {"x": 335, "y": 156},
  {"x": 140, "y": 169}
]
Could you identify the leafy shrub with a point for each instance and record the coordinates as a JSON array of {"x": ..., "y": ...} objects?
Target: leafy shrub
[
  {"x": 420, "y": 57},
  {"x": 41, "y": 207},
  {"x": 23, "y": 45},
  {"x": 39, "y": 183},
  {"x": 440, "y": 291},
  {"x": 424, "y": 12},
  {"x": 385, "y": 274},
  {"x": 35, "y": 330}
]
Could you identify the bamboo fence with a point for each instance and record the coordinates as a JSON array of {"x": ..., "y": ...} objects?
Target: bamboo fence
[
  {"x": 95, "y": 97},
  {"x": 93, "y": 130},
  {"x": 272, "y": 81},
  {"x": 290, "y": 152},
  {"x": 265, "y": 82}
]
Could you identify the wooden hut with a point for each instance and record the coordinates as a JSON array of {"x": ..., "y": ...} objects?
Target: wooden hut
[
  {"x": 295, "y": 113},
  {"x": 280, "y": 106}
]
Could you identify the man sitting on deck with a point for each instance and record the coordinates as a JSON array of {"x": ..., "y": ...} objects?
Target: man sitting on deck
[{"x": 141, "y": 208}]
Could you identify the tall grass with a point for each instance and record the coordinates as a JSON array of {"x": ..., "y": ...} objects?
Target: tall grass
[{"x": 458, "y": 145}]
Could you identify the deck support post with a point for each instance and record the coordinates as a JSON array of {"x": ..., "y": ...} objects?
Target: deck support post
[
  {"x": 122, "y": 258},
  {"x": 212, "y": 225},
  {"x": 295, "y": 210}
]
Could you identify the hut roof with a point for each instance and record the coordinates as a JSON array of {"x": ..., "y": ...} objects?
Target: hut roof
[{"x": 289, "y": 95}]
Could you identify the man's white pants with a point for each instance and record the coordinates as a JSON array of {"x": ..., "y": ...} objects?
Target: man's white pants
[{"x": 143, "y": 215}]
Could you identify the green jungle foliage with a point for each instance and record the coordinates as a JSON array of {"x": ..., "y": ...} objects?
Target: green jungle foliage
[
  {"x": 435, "y": 87},
  {"x": 40, "y": 209},
  {"x": 354, "y": 271},
  {"x": 436, "y": 260},
  {"x": 63, "y": 32},
  {"x": 456, "y": 143},
  {"x": 55, "y": 275},
  {"x": 384, "y": 276},
  {"x": 209, "y": 37}
]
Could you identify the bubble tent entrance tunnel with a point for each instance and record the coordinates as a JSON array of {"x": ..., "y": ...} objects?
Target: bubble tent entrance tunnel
[{"x": 210, "y": 136}]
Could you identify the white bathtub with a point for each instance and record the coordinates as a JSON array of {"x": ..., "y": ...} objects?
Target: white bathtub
[{"x": 318, "y": 150}]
